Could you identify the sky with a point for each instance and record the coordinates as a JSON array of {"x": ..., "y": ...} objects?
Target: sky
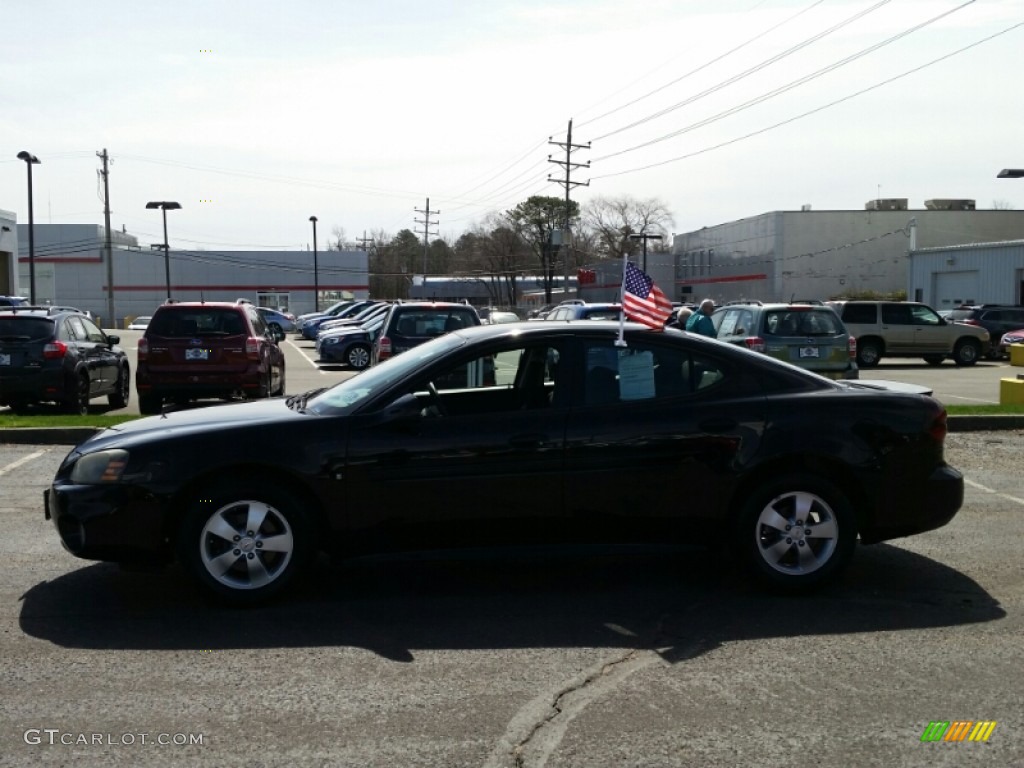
[{"x": 256, "y": 115}]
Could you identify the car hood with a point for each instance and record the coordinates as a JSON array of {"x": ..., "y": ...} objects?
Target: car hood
[
  {"x": 251, "y": 415},
  {"x": 342, "y": 331}
]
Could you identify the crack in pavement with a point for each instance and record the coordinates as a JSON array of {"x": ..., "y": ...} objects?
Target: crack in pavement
[{"x": 543, "y": 722}]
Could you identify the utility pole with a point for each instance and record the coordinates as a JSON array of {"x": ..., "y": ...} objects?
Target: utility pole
[
  {"x": 568, "y": 146},
  {"x": 108, "y": 250},
  {"x": 425, "y": 221},
  {"x": 364, "y": 240}
]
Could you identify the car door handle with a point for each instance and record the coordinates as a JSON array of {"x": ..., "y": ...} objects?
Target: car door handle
[
  {"x": 722, "y": 424},
  {"x": 529, "y": 442}
]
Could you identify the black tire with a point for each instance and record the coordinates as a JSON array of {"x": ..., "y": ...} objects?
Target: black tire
[
  {"x": 276, "y": 328},
  {"x": 934, "y": 359},
  {"x": 244, "y": 541},
  {"x": 122, "y": 389},
  {"x": 967, "y": 351},
  {"x": 149, "y": 404},
  {"x": 773, "y": 538},
  {"x": 358, "y": 356},
  {"x": 77, "y": 401},
  {"x": 869, "y": 352}
]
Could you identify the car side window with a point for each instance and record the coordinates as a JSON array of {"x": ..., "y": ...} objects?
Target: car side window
[
  {"x": 258, "y": 325},
  {"x": 860, "y": 313},
  {"x": 644, "y": 371},
  {"x": 924, "y": 315},
  {"x": 896, "y": 314},
  {"x": 92, "y": 331},
  {"x": 74, "y": 329},
  {"x": 511, "y": 378}
]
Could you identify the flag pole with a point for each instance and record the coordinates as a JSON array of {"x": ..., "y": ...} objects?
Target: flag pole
[{"x": 621, "y": 341}]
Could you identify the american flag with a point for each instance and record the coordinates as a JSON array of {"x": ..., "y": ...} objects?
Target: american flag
[{"x": 642, "y": 300}]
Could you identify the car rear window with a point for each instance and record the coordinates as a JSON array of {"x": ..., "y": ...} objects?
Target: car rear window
[
  {"x": 198, "y": 321},
  {"x": 433, "y": 322},
  {"x": 802, "y": 322},
  {"x": 25, "y": 328}
]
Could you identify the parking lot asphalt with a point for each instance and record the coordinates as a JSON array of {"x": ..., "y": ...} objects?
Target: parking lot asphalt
[{"x": 553, "y": 660}]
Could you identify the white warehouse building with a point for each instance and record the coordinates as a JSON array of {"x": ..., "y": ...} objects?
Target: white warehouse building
[
  {"x": 70, "y": 268},
  {"x": 807, "y": 254}
]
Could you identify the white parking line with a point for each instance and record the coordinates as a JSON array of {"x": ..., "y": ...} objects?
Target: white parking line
[
  {"x": 23, "y": 460},
  {"x": 981, "y": 487},
  {"x": 306, "y": 358}
]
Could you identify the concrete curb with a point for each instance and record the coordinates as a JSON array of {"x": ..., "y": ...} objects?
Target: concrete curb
[{"x": 72, "y": 436}]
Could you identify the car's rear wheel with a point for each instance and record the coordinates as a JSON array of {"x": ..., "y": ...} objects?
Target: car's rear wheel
[
  {"x": 149, "y": 404},
  {"x": 967, "y": 351},
  {"x": 78, "y": 395},
  {"x": 934, "y": 359},
  {"x": 796, "y": 532},
  {"x": 358, "y": 356},
  {"x": 122, "y": 390},
  {"x": 869, "y": 352},
  {"x": 244, "y": 542}
]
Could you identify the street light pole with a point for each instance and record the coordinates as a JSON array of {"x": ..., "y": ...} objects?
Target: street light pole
[
  {"x": 166, "y": 205},
  {"x": 316, "y": 270},
  {"x": 645, "y": 237},
  {"x": 31, "y": 160}
]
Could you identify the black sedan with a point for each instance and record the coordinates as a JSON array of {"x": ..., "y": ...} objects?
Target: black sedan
[{"x": 519, "y": 434}]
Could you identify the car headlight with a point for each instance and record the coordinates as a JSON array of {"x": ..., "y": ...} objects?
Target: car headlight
[
  {"x": 100, "y": 467},
  {"x": 329, "y": 340}
]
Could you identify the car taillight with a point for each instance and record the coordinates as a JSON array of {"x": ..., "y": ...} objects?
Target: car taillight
[
  {"x": 384, "y": 348},
  {"x": 852, "y": 346},
  {"x": 970, "y": 321},
  {"x": 755, "y": 343},
  {"x": 252, "y": 348},
  {"x": 55, "y": 350},
  {"x": 143, "y": 350},
  {"x": 938, "y": 428}
]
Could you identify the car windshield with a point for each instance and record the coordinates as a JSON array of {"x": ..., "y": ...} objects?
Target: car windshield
[{"x": 342, "y": 397}]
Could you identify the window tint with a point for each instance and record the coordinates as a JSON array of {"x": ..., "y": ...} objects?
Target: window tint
[
  {"x": 432, "y": 322},
  {"x": 815, "y": 322},
  {"x": 860, "y": 313},
  {"x": 736, "y": 322},
  {"x": 197, "y": 321},
  {"x": 924, "y": 315},
  {"x": 25, "y": 328},
  {"x": 75, "y": 330},
  {"x": 92, "y": 331},
  {"x": 896, "y": 314},
  {"x": 644, "y": 371}
]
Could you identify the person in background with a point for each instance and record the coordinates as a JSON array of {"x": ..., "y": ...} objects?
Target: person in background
[
  {"x": 679, "y": 321},
  {"x": 700, "y": 321}
]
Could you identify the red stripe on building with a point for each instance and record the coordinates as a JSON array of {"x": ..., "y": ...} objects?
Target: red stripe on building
[{"x": 723, "y": 279}]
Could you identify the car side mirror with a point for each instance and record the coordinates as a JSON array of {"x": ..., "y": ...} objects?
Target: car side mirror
[{"x": 112, "y": 340}]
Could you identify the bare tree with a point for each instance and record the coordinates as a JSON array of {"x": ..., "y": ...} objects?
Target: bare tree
[
  {"x": 613, "y": 219},
  {"x": 1002, "y": 205}
]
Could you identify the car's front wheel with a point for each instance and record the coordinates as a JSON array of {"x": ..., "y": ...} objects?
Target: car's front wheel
[
  {"x": 796, "y": 532},
  {"x": 358, "y": 356},
  {"x": 967, "y": 351},
  {"x": 244, "y": 542}
]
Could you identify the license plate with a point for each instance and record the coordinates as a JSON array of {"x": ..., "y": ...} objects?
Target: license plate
[
  {"x": 196, "y": 354},
  {"x": 806, "y": 352},
  {"x": 5, "y": 359}
]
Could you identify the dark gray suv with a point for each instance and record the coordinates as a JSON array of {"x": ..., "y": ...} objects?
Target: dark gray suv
[{"x": 997, "y": 319}]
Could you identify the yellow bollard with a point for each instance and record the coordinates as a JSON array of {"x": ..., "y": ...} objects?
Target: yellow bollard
[
  {"x": 1011, "y": 391},
  {"x": 1017, "y": 354}
]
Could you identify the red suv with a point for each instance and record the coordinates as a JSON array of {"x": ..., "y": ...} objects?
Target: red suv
[{"x": 207, "y": 349}]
